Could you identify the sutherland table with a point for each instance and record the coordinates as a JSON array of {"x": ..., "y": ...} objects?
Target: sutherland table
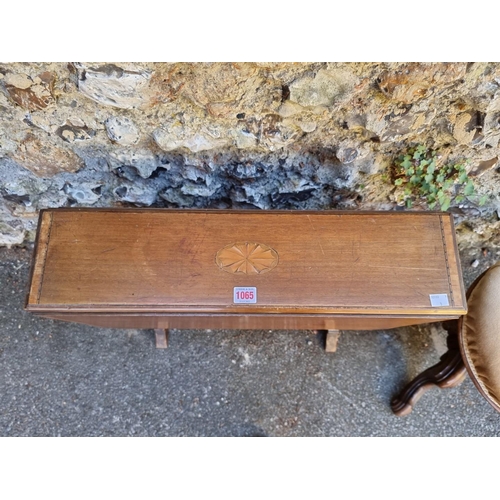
[{"x": 329, "y": 270}]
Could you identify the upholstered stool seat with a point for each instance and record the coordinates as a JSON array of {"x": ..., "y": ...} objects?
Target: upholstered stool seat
[{"x": 479, "y": 335}]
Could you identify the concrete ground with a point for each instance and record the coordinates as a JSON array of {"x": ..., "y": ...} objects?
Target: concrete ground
[{"x": 74, "y": 380}]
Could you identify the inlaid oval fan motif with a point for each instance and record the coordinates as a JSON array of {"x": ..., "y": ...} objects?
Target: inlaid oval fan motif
[{"x": 247, "y": 258}]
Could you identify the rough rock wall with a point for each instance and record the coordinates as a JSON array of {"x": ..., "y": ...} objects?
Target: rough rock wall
[{"x": 241, "y": 135}]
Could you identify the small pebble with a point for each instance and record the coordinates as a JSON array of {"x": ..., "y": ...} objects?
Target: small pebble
[{"x": 475, "y": 263}]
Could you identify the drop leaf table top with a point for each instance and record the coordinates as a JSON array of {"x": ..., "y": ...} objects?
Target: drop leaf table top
[{"x": 160, "y": 268}]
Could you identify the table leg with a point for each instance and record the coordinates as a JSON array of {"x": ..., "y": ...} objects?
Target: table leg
[
  {"x": 161, "y": 335},
  {"x": 449, "y": 372},
  {"x": 332, "y": 339}
]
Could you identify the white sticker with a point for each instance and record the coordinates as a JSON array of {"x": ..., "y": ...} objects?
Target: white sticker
[
  {"x": 245, "y": 295},
  {"x": 439, "y": 299}
]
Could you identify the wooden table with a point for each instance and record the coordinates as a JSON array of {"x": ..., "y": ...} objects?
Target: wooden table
[{"x": 331, "y": 270}]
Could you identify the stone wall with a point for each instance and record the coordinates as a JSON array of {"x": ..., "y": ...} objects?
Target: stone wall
[{"x": 242, "y": 135}]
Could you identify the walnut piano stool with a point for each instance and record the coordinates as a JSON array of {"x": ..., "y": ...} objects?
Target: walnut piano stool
[{"x": 327, "y": 270}]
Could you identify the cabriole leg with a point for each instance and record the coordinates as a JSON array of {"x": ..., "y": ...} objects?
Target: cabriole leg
[{"x": 449, "y": 372}]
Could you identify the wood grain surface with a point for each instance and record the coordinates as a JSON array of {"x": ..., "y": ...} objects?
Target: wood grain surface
[{"x": 148, "y": 261}]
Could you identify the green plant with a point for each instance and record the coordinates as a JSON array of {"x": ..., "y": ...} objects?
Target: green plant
[{"x": 421, "y": 176}]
